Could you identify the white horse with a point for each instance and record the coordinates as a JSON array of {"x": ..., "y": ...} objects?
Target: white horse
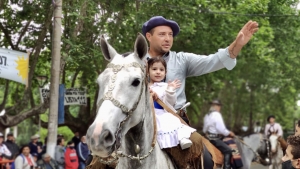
[
  {"x": 277, "y": 153},
  {"x": 256, "y": 148},
  {"x": 125, "y": 123}
]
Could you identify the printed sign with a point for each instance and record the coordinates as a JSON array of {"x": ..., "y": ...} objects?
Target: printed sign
[
  {"x": 14, "y": 65},
  {"x": 73, "y": 96}
]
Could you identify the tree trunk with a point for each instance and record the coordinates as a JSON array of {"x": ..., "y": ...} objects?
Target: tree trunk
[
  {"x": 250, "y": 129},
  {"x": 55, "y": 72}
]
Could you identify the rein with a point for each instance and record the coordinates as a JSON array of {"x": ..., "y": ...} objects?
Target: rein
[
  {"x": 108, "y": 96},
  {"x": 257, "y": 156}
]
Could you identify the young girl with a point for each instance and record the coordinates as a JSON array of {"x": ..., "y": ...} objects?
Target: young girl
[{"x": 170, "y": 131}]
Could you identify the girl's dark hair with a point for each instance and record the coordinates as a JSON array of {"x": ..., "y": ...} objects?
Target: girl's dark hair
[
  {"x": 22, "y": 148},
  {"x": 151, "y": 61},
  {"x": 158, "y": 59},
  {"x": 59, "y": 141},
  {"x": 70, "y": 142}
]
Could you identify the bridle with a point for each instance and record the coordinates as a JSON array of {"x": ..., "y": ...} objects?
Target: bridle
[{"x": 127, "y": 111}]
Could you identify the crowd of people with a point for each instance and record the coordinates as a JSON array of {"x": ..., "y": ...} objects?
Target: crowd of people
[{"x": 72, "y": 155}]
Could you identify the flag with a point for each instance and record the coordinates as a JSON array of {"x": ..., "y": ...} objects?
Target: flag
[{"x": 14, "y": 65}]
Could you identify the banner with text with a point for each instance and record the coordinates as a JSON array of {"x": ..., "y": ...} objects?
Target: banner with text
[
  {"x": 14, "y": 65},
  {"x": 73, "y": 96}
]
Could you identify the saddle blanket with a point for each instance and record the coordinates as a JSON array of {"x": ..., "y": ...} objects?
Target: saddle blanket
[{"x": 236, "y": 160}]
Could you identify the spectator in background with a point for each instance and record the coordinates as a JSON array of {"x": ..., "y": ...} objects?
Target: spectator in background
[
  {"x": 257, "y": 127},
  {"x": 83, "y": 152},
  {"x": 34, "y": 147},
  {"x": 39, "y": 143},
  {"x": 287, "y": 164},
  {"x": 71, "y": 159},
  {"x": 292, "y": 156},
  {"x": 60, "y": 153},
  {"x": 24, "y": 160},
  {"x": 35, "y": 157},
  {"x": 47, "y": 162},
  {"x": 44, "y": 148},
  {"x": 11, "y": 145},
  {"x": 76, "y": 138},
  {"x": 60, "y": 136},
  {"x": 4, "y": 151}
]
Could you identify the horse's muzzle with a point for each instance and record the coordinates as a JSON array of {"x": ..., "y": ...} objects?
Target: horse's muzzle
[{"x": 101, "y": 144}]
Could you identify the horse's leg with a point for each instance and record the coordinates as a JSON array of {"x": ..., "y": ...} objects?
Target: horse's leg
[{"x": 208, "y": 162}]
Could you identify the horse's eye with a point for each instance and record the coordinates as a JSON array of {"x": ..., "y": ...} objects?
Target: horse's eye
[{"x": 136, "y": 82}]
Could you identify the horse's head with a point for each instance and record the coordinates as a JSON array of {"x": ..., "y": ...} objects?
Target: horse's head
[
  {"x": 274, "y": 143},
  {"x": 120, "y": 105},
  {"x": 264, "y": 152}
]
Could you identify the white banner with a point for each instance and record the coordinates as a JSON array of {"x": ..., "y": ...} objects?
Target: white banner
[
  {"x": 73, "y": 96},
  {"x": 14, "y": 65}
]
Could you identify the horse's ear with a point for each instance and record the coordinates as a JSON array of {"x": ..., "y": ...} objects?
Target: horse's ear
[
  {"x": 140, "y": 46},
  {"x": 108, "y": 51}
]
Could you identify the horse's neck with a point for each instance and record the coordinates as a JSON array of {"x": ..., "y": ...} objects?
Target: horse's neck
[{"x": 142, "y": 135}]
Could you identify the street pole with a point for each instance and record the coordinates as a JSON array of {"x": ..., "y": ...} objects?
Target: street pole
[{"x": 54, "y": 80}]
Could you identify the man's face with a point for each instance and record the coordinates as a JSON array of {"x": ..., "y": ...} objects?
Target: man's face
[
  {"x": 289, "y": 156},
  {"x": 1, "y": 139},
  {"x": 161, "y": 40},
  {"x": 272, "y": 120},
  {"x": 62, "y": 142},
  {"x": 297, "y": 128},
  {"x": 83, "y": 139},
  {"x": 10, "y": 138},
  {"x": 26, "y": 151},
  {"x": 47, "y": 159}
]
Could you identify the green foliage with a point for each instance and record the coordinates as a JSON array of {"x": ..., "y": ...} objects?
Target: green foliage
[{"x": 265, "y": 80}]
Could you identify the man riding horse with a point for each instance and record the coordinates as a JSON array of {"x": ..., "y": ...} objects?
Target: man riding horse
[
  {"x": 215, "y": 129},
  {"x": 275, "y": 128},
  {"x": 160, "y": 33}
]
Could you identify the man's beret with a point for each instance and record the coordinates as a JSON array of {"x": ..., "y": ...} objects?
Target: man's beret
[{"x": 160, "y": 21}]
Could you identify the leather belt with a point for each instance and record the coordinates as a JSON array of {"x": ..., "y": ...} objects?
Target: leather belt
[{"x": 212, "y": 136}]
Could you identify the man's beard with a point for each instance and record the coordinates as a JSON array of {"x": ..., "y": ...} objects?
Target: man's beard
[{"x": 162, "y": 52}]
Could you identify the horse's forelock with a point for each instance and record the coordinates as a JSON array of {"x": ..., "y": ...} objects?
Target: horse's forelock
[{"x": 126, "y": 54}]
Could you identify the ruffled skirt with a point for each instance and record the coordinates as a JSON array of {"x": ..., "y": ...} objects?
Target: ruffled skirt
[{"x": 170, "y": 130}]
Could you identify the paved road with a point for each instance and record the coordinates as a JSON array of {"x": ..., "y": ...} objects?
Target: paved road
[{"x": 258, "y": 166}]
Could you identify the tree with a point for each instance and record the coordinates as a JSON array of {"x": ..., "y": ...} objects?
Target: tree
[{"x": 263, "y": 82}]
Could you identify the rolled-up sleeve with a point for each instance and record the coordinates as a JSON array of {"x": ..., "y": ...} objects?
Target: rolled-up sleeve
[{"x": 202, "y": 64}]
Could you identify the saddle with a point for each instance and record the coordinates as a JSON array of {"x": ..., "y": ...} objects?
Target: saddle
[{"x": 236, "y": 161}]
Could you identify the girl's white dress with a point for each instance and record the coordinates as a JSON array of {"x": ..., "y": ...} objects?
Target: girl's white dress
[{"x": 169, "y": 128}]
